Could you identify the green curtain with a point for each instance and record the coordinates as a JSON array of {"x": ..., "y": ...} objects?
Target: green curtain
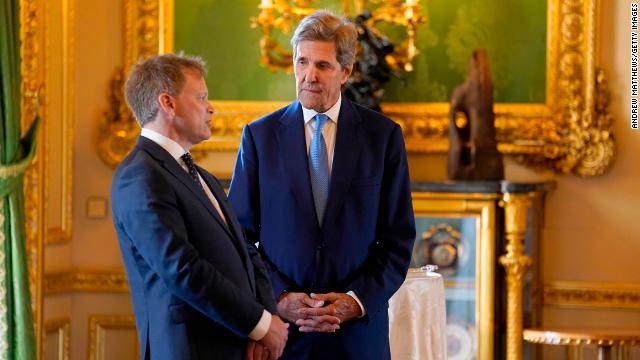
[{"x": 17, "y": 340}]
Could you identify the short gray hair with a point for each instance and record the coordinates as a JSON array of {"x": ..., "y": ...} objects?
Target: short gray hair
[
  {"x": 156, "y": 75},
  {"x": 322, "y": 25}
]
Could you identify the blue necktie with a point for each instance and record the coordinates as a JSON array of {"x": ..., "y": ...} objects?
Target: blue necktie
[{"x": 319, "y": 167}]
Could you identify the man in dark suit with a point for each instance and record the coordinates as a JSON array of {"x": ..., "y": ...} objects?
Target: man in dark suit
[
  {"x": 199, "y": 290},
  {"x": 322, "y": 184}
]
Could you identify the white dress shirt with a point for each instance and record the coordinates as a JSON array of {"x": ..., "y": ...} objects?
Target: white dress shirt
[
  {"x": 176, "y": 152},
  {"x": 329, "y": 133}
]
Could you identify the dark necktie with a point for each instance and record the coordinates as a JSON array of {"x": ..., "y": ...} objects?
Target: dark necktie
[{"x": 193, "y": 172}]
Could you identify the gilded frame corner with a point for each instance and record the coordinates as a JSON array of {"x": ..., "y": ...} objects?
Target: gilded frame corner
[
  {"x": 61, "y": 328},
  {"x": 571, "y": 132},
  {"x": 99, "y": 325}
]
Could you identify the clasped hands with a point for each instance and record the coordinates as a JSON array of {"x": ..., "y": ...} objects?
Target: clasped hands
[
  {"x": 318, "y": 312},
  {"x": 312, "y": 313}
]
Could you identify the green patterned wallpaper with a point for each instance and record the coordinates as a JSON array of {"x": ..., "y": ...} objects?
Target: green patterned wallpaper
[{"x": 512, "y": 32}]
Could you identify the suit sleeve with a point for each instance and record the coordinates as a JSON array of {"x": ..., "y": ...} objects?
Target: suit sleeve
[
  {"x": 157, "y": 233},
  {"x": 263, "y": 283},
  {"x": 386, "y": 266},
  {"x": 244, "y": 196}
]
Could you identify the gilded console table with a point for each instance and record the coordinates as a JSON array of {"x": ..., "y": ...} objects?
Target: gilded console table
[
  {"x": 605, "y": 340},
  {"x": 485, "y": 238}
]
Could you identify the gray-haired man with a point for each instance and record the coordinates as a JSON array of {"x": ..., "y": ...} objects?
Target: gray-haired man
[{"x": 323, "y": 185}]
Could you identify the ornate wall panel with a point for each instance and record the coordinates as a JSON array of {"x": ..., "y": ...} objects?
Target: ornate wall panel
[
  {"x": 58, "y": 125},
  {"x": 556, "y": 294},
  {"x": 99, "y": 328},
  {"x": 47, "y": 70},
  {"x": 57, "y": 339}
]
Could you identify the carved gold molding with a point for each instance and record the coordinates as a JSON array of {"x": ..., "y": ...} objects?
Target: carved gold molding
[
  {"x": 579, "y": 87},
  {"x": 32, "y": 56},
  {"x": 99, "y": 325},
  {"x": 100, "y": 281},
  {"x": 142, "y": 30},
  {"x": 145, "y": 35},
  {"x": 118, "y": 128},
  {"x": 570, "y": 133},
  {"x": 588, "y": 294},
  {"x": 61, "y": 328}
]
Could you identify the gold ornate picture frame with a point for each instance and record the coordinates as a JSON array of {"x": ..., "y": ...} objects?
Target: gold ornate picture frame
[{"x": 571, "y": 132}]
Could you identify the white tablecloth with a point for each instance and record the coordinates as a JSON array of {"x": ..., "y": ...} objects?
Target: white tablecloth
[{"x": 417, "y": 318}]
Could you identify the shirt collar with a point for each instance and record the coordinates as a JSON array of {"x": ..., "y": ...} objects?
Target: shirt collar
[
  {"x": 171, "y": 146},
  {"x": 332, "y": 113}
]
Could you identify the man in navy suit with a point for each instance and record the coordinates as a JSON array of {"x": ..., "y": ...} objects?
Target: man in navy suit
[
  {"x": 322, "y": 184},
  {"x": 199, "y": 290}
]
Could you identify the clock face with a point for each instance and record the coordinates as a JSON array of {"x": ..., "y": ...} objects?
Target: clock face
[
  {"x": 444, "y": 255},
  {"x": 441, "y": 245}
]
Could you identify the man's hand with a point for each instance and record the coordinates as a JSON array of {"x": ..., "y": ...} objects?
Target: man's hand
[
  {"x": 257, "y": 351},
  {"x": 323, "y": 323},
  {"x": 276, "y": 337},
  {"x": 291, "y": 303},
  {"x": 340, "y": 306}
]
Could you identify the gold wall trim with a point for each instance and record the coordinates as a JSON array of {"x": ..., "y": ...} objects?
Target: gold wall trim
[
  {"x": 62, "y": 329},
  {"x": 32, "y": 60},
  {"x": 592, "y": 295},
  {"x": 557, "y": 293},
  {"x": 59, "y": 148},
  {"x": 571, "y": 132},
  {"x": 142, "y": 29},
  {"x": 97, "y": 281},
  {"x": 98, "y": 325}
]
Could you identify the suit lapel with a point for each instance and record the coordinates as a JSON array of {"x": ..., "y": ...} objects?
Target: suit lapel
[
  {"x": 219, "y": 194},
  {"x": 171, "y": 165},
  {"x": 293, "y": 152},
  {"x": 238, "y": 238},
  {"x": 345, "y": 156}
]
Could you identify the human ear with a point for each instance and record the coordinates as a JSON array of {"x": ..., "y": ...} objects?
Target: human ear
[
  {"x": 347, "y": 72},
  {"x": 166, "y": 103}
]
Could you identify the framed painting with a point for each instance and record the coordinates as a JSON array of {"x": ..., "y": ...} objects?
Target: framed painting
[{"x": 551, "y": 98}]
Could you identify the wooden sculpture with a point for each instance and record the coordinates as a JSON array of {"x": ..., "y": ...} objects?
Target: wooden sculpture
[{"x": 473, "y": 151}]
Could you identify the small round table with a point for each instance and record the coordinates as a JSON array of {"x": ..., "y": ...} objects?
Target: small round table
[
  {"x": 418, "y": 318},
  {"x": 604, "y": 339}
]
